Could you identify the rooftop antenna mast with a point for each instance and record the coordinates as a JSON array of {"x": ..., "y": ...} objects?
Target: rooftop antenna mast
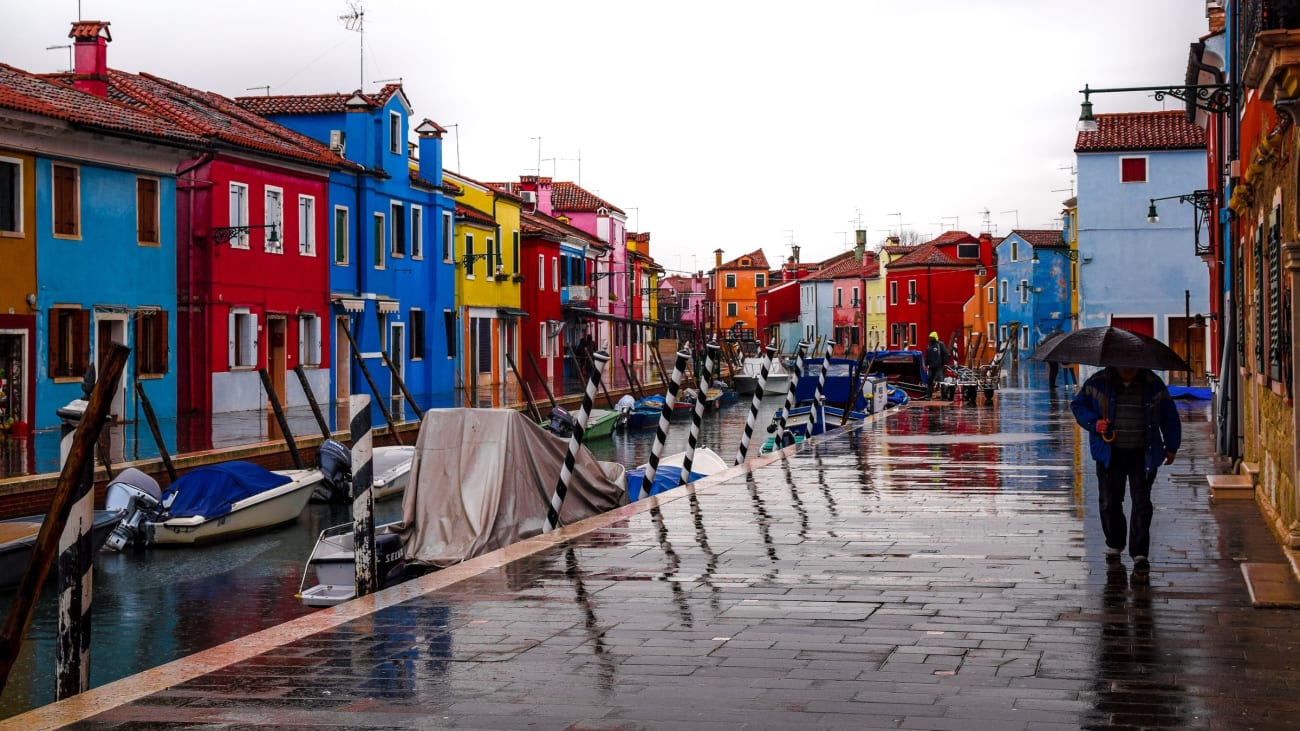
[
  {"x": 988, "y": 223},
  {"x": 266, "y": 87},
  {"x": 356, "y": 20},
  {"x": 71, "y": 66},
  {"x": 1072, "y": 174},
  {"x": 1015, "y": 211},
  {"x": 539, "y": 155}
]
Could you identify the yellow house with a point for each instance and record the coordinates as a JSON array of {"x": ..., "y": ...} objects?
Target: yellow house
[
  {"x": 17, "y": 288},
  {"x": 877, "y": 315},
  {"x": 487, "y": 290}
]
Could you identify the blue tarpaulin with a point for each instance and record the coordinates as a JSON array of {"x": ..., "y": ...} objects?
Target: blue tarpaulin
[
  {"x": 1190, "y": 392},
  {"x": 210, "y": 491},
  {"x": 666, "y": 478}
]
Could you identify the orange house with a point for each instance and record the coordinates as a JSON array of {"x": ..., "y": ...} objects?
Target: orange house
[{"x": 735, "y": 288}]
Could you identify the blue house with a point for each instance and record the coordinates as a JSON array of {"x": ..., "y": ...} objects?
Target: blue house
[
  {"x": 1035, "y": 280},
  {"x": 1137, "y": 271},
  {"x": 391, "y": 278}
]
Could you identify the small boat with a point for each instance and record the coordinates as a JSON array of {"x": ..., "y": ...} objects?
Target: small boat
[
  {"x": 600, "y": 423},
  {"x": 18, "y": 535},
  {"x": 208, "y": 503},
  {"x": 778, "y": 377},
  {"x": 705, "y": 462},
  {"x": 479, "y": 481},
  {"x": 391, "y": 466}
]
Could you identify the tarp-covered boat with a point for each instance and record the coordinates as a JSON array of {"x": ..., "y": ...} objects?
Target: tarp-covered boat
[{"x": 668, "y": 475}]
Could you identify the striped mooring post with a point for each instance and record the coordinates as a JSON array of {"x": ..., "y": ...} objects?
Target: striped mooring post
[
  {"x": 757, "y": 401},
  {"x": 792, "y": 393},
  {"x": 363, "y": 497},
  {"x": 75, "y": 568},
  {"x": 599, "y": 358},
  {"x": 665, "y": 419},
  {"x": 817, "y": 416},
  {"x": 697, "y": 414}
]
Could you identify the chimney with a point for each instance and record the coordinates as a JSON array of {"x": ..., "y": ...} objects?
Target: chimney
[
  {"x": 717, "y": 258},
  {"x": 861, "y": 246},
  {"x": 90, "y": 45},
  {"x": 1215, "y": 14},
  {"x": 430, "y": 135}
]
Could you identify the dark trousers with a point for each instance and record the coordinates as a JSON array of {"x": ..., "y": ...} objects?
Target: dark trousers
[
  {"x": 934, "y": 374},
  {"x": 1127, "y": 466}
]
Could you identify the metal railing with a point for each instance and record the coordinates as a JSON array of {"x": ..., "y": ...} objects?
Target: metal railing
[{"x": 1258, "y": 16}]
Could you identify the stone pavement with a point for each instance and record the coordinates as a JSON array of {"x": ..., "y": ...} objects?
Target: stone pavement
[{"x": 940, "y": 568}]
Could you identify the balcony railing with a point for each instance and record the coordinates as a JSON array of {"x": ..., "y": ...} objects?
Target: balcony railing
[
  {"x": 1258, "y": 16},
  {"x": 579, "y": 293}
]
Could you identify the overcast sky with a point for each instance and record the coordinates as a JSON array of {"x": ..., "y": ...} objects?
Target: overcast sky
[{"x": 712, "y": 123}]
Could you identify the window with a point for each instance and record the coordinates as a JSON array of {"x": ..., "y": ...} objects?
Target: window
[
  {"x": 417, "y": 334},
  {"x": 273, "y": 241},
  {"x": 342, "y": 232},
  {"x": 69, "y": 342},
  {"x": 555, "y": 274},
  {"x": 417, "y": 232},
  {"x": 911, "y": 292},
  {"x": 395, "y": 133},
  {"x": 309, "y": 346},
  {"x": 492, "y": 264},
  {"x": 146, "y": 211},
  {"x": 1132, "y": 170},
  {"x": 1015, "y": 251},
  {"x": 731, "y": 281},
  {"x": 1006, "y": 291},
  {"x": 968, "y": 251},
  {"x": 11, "y": 195},
  {"x": 306, "y": 225},
  {"x": 1024, "y": 338},
  {"x": 855, "y": 297},
  {"x": 449, "y": 332},
  {"x": 893, "y": 293},
  {"x": 760, "y": 280},
  {"x": 397, "y": 216},
  {"x": 544, "y": 343},
  {"x": 67, "y": 200},
  {"x": 541, "y": 271},
  {"x": 1024, "y": 291},
  {"x": 514, "y": 252},
  {"x": 731, "y": 309},
  {"x": 151, "y": 342},
  {"x": 839, "y": 296},
  {"x": 1002, "y": 333},
  {"x": 911, "y": 332},
  {"x": 242, "y": 343},
  {"x": 993, "y": 332},
  {"x": 379, "y": 230},
  {"x": 447, "y": 237},
  {"x": 501, "y": 260},
  {"x": 469, "y": 256}
]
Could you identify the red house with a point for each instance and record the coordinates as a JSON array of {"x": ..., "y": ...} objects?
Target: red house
[
  {"x": 544, "y": 293},
  {"x": 928, "y": 287}
]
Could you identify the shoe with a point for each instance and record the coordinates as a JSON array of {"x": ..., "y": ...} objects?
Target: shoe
[
  {"x": 1140, "y": 563},
  {"x": 1113, "y": 554}
]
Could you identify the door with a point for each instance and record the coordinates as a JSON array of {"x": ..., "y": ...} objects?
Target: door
[
  {"x": 111, "y": 329},
  {"x": 1188, "y": 342},
  {"x": 396, "y": 356},
  {"x": 342, "y": 360},
  {"x": 277, "y": 354},
  {"x": 1140, "y": 325},
  {"x": 13, "y": 382}
]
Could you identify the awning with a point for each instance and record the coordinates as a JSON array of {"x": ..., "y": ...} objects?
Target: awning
[
  {"x": 511, "y": 312},
  {"x": 387, "y": 306},
  {"x": 351, "y": 304},
  {"x": 594, "y": 315}
]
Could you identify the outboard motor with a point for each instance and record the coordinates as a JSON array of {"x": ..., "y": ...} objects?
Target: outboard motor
[
  {"x": 139, "y": 498},
  {"x": 390, "y": 559},
  {"x": 624, "y": 407},
  {"x": 336, "y": 465},
  {"x": 562, "y": 423}
]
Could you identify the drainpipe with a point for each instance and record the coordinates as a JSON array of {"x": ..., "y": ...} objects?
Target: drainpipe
[{"x": 203, "y": 160}]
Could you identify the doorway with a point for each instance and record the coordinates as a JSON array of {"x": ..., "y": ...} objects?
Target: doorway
[
  {"x": 111, "y": 328},
  {"x": 1189, "y": 342},
  {"x": 13, "y": 381},
  {"x": 342, "y": 360},
  {"x": 397, "y": 357},
  {"x": 276, "y": 354}
]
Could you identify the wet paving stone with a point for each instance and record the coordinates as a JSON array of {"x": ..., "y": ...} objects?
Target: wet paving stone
[{"x": 940, "y": 568}]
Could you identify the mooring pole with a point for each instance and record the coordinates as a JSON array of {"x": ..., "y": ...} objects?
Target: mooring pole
[
  {"x": 388, "y": 418},
  {"x": 523, "y": 387},
  {"x": 311, "y": 400},
  {"x": 363, "y": 497},
  {"x": 575, "y": 442},
  {"x": 631, "y": 380},
  {"x": 541, "y": 377},
  {"x": 754, "y": 404},
  {"x": 157, "y": 433},
  {"x": 697, "y": 414},
  {"x": 816, "y": 415},
  {"x": 280, "y": 417},
  {"x": 76, "y": 585},
  {"x": 401, "y": 384},
  {"x": 791, "y": 394},
  {"x": 665, "y": 419}
]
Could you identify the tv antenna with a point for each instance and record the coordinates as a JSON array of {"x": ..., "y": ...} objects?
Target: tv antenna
[
  {"x": 1015, "y": 211},
  {"x": 457, "y": 128},
  {"x": 71, "y": 67},
  {"x": 1073, "y": 171},
  {"x": 988, "y": 224},
  {"x": 355, "y": 20},
  {"x": 539, "y": 155},
  {"x": 266, "y": 87}
]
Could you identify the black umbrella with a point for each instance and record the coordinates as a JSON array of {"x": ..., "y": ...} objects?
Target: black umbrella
[{"x": 1109, "y": 346}]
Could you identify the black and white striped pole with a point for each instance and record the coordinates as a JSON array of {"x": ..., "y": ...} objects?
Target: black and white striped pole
[
  {"x": 363, "y": 497},
  {"x": 754, "y": 405},
  {"x": 599, "y": 359},
  {"x": 697, "y": 414},
  {"x": 817, "y": 416},
  {"x": 792, "y": 393},
  {"x": 665, "y": 418}
]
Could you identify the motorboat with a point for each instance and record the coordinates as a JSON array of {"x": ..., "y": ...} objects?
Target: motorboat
[
  {"x": 778, "y": 376},
  {"x": 668, "y": 474},
  {"x": 600, "y": 423},
  {"x": 480, "y": 479},
  {"x": 18, "y": 535},
  {"x": 391, "y": 467},
  {"x": 208, "y": 503}
]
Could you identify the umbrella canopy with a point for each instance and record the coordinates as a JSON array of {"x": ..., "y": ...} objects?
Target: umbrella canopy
[{"x": 1109, "y": 346}]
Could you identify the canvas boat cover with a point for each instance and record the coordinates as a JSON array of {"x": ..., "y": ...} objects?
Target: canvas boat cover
[
  {"x": 210, "y": 491},
  {"x": 481, "y": 479}
]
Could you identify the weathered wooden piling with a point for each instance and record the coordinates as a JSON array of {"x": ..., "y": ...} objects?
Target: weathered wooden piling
[
  {"x": 600, "y": 358},
  {"x": 755, "y": 403},
  {"x": 665, "y": 420},
  {"x": 363, "y": 497},
  {"x": 697, "y": 415}
]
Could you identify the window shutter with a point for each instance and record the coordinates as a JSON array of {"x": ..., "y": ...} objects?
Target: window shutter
[
  {"x": 1275, "y": 296},
  {"x": 147, "y": 210},
  {"x": 230, "y": 341},
  {"x": 302, "y": 339},
  {"x": 56, "y": 343},
  {"x": 253, "y": 339},
  {"x": 160, "y": 341},
  {"x": 81, "y": 341}
]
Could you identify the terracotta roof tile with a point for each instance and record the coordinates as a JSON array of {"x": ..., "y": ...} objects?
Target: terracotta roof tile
[
  {"x": 467, "y": 213},
  {"x": 1142, "y": 131},
  {"x": 757, "y": 260},
  {"x": 88, "y": 29},
  {"x": 569, "y": 197},
  {"x": 1041, "y": 236},
  {"x": 314, "y": 103},
  {"x": 539, "y": 224},
  {"x": 927, "y": 254}
]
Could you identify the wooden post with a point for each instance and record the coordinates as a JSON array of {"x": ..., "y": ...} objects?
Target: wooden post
[
  {"x": 541, "y": 377},
  {"x": 65, "y": 494},
  {"x": 363, "y": 497},
  {"x": 157, "y": 433},
  {"x": 590, "y": 365},
  {"x": 311, "y": 399},
  {"x": 755, "y": 403},
  {"x": 279, "y": 417},
  {"x": 665, "y": 419},
  {"x": 523, "y": 386},
  {"x": 388, "y": 418},
  {"x": 632, "y": 384},
  {"x": 600, "y": 358},
  {"x": 697, "y": 415},
  {"x": 392, "y": 371}
]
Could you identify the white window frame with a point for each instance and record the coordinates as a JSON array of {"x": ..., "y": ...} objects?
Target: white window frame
[
  {"x": 347, "y": 235},
  {"x": 839, "y": 296},
  {"x": 396, "y": 219},
  {"x": 856, "y": 299},
  {"x": 912, "y": 296},
  {"x": 760, "y": 279},
  {"x": 467, "y": 254},
  {"x": 1005, "y": 291},
  {"x": 992, "y": 293},
  {"x": 730, "y": 281},
  {"x": 242, "y": 327},
  {"x": 273, "y": 212},
  {"x": 733, "y": 309},
  {"x": 309, "y": 340},
  {"x": 555, "y": 274},
  {"x": 379, "y": 227},
  {"x": 417, "y": 232},
  {"x": 395, "y": 133},
  {"x": 893, "y": 293},
  {"x": 1024, "y": 291},
  {"x": 17, "y": 201},
  {"x": 306, "y": 225},
  {"x": 448, "y": 238},
  {"x": 1024, "y": 338},
  {"x": 1146, "y": 169},
  {"x": 993, "y": 332},
  {"x": 237, "y": 201},
  {"x": 541, "y": 273}
]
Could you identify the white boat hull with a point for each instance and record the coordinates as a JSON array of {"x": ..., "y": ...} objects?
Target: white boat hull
[
  {"x": 777, "y": 385},
  {"x": 278, "y": 505},
  {"x": 392, "y": 467}
]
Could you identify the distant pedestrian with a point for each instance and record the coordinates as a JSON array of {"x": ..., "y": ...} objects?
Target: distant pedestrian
[
  {"x": 1133, "y": 428},
  {"x": 936, "y": 357}
]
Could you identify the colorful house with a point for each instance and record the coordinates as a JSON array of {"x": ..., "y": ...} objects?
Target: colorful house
[
  {"x": 980, "y": 318},
  {"x": 556, "y": 248},
  {"x": 778, "y": 315},
  {"x": 391, "y": 283},
  {"x": 1034, "y": 284},
  {"x": 928, "y": 287},
  {"x": 735, "y": 286}
]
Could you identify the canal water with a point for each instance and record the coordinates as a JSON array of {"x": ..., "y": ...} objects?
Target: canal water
[{"x": 158, "y": 605}]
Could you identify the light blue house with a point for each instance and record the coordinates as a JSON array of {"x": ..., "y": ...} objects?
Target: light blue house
[
  {"x": 816, "y": 310},
  {"x": 391, "y": 278},
  {"x": 1134, "y": 273},
  {"x": 1035, "y": 274}
]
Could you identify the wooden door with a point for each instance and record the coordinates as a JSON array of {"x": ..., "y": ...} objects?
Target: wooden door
[{"x": 276, "y": 355}]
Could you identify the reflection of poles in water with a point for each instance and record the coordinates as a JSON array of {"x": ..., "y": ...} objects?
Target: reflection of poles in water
[
  {"x": 665, "y": 418},
  {"x": 702, "y": 538},
  {"x": 763, "y": 521},
  {"x": 794, "y": 497},
  {"x": 755, "y": 403},
  {"x": 575, "y": 442},
  {"x": 670, "y": 571},
  {"x": 826, "y": 489},
  {"x": 697, "y": 413},
  {"x": 595, "y": 633}
]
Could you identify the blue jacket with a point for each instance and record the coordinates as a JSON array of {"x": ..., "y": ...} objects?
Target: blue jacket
[{"x": 1096, "y": 398}]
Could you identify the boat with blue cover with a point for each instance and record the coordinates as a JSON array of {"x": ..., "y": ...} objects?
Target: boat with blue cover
[{"x": 668, "y": 475}]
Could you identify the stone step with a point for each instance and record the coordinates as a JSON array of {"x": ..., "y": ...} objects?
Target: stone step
[
  {"x": 1231, "y": 487},
  {"x": 1271, "y": 585}
]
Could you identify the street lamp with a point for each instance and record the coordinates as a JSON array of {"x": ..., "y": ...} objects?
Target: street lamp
[
  {"x": 1201, "y": 201},
  {"x": 1216, "y": 98}
]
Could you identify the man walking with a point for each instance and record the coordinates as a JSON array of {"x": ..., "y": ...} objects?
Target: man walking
[
  {"x": 1133, "y": 427},
  {"x": 936, "y": 357}
]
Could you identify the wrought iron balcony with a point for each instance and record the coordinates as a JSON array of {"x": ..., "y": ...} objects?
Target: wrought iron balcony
[{"x": 1258, "y": 16}]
